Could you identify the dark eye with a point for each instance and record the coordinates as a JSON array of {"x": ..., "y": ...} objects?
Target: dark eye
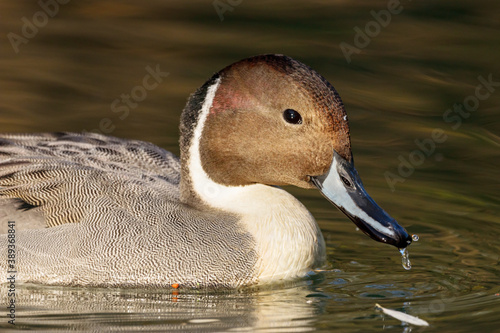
[
  {"x": 346, "y": 181},
  {"x": 292, "y": 116}
]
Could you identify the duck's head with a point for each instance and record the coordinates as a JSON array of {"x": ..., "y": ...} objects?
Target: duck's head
[{"x": 272, "y": 120}]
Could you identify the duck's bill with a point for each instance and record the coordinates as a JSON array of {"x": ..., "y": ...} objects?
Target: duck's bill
[{"x": 342, "y": 186}]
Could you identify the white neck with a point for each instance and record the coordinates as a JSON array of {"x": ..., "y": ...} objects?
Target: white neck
[{"x": 287, "y": 237}]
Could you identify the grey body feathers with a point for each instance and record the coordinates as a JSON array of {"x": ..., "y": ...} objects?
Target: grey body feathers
[{"x": 96, "y": 210}]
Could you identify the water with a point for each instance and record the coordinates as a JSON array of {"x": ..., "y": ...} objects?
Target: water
[
  {"x": 405, "y": 254},
  {"x": 405, "y": 258},
  {"x": 397, "y": 91}
]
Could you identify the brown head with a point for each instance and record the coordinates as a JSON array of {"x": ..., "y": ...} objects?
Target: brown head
[{"x": 272, "y": 120}]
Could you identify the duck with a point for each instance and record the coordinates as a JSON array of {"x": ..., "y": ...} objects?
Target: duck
[{"x": 90, "y": 210}]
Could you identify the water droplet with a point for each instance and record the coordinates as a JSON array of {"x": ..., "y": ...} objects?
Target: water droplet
[
  {"x": 405, "y": 258},
  {"x": 414, "y": 237}
]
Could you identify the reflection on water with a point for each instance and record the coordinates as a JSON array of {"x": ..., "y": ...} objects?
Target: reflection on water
[
  {"x": 104, "y": 309},
  {"x": 397, "y": 91}
]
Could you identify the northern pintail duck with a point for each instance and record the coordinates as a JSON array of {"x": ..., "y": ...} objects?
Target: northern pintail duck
[{"x": 94, "y": 210}]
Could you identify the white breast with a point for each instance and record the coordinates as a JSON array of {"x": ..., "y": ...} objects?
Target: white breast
[{"x": 288, "y": 239}]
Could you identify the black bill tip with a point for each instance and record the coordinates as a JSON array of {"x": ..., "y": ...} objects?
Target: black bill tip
[{"x": 342, "y": 186}]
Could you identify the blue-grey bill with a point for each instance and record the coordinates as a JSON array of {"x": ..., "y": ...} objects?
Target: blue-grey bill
[{"x": 342, "y": 186}]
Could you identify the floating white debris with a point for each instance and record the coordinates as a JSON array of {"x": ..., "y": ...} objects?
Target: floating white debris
[
  {"x": 202, "y": 321},
  {"x": 402, "y": 316}
]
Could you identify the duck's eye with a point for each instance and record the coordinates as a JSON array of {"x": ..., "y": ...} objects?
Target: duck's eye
[
  {"x": 292, "y": 116},
  {"x": 346, "y": 181}
]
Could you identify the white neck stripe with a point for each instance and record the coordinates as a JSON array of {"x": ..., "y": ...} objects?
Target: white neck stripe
[
  {"x": 288, "y": 240},
  {"x": 233, "y": 199}
]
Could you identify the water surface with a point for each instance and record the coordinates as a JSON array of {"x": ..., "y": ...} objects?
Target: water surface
[{"x": 397, "y": 91}]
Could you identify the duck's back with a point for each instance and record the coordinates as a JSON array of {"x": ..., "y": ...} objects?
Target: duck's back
[
  {"x": 106, "y": 211},
  {"x": 60, "y": 174}
]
